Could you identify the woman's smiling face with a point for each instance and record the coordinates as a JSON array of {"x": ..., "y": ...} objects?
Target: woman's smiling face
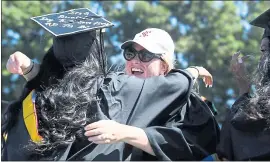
[{"x": 140, "y": 69}]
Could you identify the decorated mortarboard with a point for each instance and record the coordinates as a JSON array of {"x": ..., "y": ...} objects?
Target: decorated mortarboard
[
  {"x": 263, "y": 21},
  {"x": 71, "y": 22},
  {"x": 75, "y": 31}
]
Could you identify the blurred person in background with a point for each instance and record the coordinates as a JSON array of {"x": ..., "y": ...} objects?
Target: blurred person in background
[{"x": 245, "y": 134}]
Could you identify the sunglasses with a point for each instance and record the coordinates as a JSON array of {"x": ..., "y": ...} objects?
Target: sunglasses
[{"x": 144, "y": 55}]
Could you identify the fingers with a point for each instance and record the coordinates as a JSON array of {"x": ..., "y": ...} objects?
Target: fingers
[
  {"x": 93, "y": 132},
  {"x": 14, "y": 63},
  {"x": 208, "y": 81},
  {"x": 240, "y": 61},
  {"x": 93, "y": 126},
  {"x": 18, "y": 65},
  {"x": 98, "y": 139},
  {"x": 101, "y": 132},
  {"x": 236, "y": 59},
  {"x": 206, "y": 76},
  {"x": 17, "y": 61},
  {"x": 102, "y": 139},
  {"x": 244, "y": 58},
  {"x": 236, "y": 55},
  {"x": 105, "y": 141}
]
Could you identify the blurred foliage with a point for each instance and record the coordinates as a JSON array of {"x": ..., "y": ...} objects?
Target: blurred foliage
[{"x": 205, "y": 34}]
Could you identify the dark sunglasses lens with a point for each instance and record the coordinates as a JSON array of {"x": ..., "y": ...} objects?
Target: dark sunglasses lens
[
  {"x": 129, "y": 55},
  {"x": 146, "y": 56}
]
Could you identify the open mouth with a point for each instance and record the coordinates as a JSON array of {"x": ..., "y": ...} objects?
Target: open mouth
[{"x": 136, "y": 71}]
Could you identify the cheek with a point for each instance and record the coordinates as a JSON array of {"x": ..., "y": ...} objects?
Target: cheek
[
  {"x": 128, "y": 67},
  {"x": 154, "y": 68}
]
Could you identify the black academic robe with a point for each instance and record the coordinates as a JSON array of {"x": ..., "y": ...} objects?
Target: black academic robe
[
  {"x": 243, "y": 138},
  {"x": 160, "y": 106}
]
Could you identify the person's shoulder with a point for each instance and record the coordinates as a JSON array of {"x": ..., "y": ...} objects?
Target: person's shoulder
[
  {"x": 180, "y": 72},
  {"x": 180, "y": 76},
  {"x": 242, "y": 118}
]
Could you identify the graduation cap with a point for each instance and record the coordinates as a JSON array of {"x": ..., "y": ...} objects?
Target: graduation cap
[
  {"x": 263, "y": 21},
  {"x": 74, "y": 33},
  {"x": 71, "y": 22}
]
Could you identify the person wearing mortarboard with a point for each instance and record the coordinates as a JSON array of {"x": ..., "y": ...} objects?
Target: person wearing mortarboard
[
  {"x": 169, "y": 129},
  {"x": 245, "y": 134},
  {"x": 70, "y": 48}
]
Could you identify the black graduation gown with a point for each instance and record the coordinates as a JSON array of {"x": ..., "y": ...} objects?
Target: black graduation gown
[
  {"x": 159, "y": 106},
  {"x": 243, "y": 138},
  {"x": 17, "y": 139}
]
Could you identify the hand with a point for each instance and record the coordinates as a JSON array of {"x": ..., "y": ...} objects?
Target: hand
[
  {"x": 238, "y": 69},
  {"x": 238, "y": 66},
  {"x": 17, "y": 63},
  {"x": 105, "y": 132},
  {"x": 206, "y": 76}
]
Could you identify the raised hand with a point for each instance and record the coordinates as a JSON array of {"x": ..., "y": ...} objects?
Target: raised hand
[
  {"x": 238, "y": 66},
  {"x": 239, "y": 71},
  {"x": 17, "y": 63}
]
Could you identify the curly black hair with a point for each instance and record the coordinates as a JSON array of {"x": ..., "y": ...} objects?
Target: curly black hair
[
  {"x": 64, "y": 109},
  {"x": 66, "y": 98}
]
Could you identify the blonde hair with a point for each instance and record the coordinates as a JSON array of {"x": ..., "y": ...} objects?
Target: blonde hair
[{"x": 169, "y": 60}]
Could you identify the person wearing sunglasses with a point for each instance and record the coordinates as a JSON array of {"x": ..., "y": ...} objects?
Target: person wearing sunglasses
[
  {"x": 167, "y": 132},
  {"x": 151, "y": 53}
]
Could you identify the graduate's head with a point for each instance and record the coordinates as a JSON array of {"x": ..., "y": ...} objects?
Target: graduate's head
[
  {"x": 73, "y": 49},
  {"x": 150, "y": 53},
  {"x": 263, "y": 69},
  {"x": 65, "y": 106}
]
